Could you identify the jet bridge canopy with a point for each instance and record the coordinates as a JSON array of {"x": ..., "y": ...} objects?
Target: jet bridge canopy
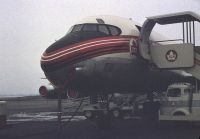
[
  {"x": 182, "y": 17},
  {"x": 172, "y": 56},
  {"x": 175, "y": 18}
]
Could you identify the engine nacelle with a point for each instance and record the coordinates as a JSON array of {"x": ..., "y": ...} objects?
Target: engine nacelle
[{"x": 50, "y": 92}]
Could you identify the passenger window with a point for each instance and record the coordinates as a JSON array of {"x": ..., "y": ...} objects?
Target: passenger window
[
  {"x": 77, "y": 28},
  {"x": 175, "y": 92},
  {"x": 90, "y": 27},
  {"x": 103, "y": 29},
  {"x": 114, "y": 31}
]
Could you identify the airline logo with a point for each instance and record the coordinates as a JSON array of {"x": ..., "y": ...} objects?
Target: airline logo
[{"x": 171, "y": 55}]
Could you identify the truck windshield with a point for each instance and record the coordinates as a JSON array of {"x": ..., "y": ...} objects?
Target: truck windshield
[{"x": 174, "y": 92}]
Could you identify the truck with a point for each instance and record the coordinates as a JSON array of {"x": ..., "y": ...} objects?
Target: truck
[
  {"x": 119, "y": 106},
  {"x": 181, "y": 102}
]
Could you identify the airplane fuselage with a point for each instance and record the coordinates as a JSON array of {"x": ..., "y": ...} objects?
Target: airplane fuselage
[{"x": 95, "y": 58}]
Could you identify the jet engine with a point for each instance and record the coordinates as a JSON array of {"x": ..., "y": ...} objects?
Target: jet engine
[{"x": 50, "y": 92}]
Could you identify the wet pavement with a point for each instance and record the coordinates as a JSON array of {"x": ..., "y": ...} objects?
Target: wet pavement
[{"x": 37, "y": 119}]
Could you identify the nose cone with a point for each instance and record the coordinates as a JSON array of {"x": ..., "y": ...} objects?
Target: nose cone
[
  {"x": 52, "y": 58},
  {"x": 67, "y": 40},
  {"x": 65, "y": 50}
]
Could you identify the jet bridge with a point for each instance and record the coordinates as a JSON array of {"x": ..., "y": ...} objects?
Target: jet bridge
[{"x": 184, "y": 55}]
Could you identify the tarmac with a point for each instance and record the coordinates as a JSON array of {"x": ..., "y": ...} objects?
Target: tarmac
[{"x": 36, "y": 118}]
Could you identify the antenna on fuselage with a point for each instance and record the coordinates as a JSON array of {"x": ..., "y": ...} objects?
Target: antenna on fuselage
[{"x": 100, "y": 21}]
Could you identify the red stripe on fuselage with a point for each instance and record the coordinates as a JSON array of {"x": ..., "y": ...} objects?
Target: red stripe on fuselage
[
  {"x": 88, "y": 42},
  {"x": 92, "y": 54},
  {"x": 85, "y": 49},
  {"x": 86, "y": 55},
  {"x": 74, "y": 51},
  {"x": 72, "y": 48}
]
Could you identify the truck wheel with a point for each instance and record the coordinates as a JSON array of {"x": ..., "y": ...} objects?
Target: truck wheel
[
  {"x": 88, "y": 114},
  {"x": 179, "y": 113}
]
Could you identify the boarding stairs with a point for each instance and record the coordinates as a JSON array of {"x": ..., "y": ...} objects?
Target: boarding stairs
[{"x": 184, "y": 56}]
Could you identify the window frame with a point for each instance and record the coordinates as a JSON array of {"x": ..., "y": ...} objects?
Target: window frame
[
  {"x": 89, "y": 30},
  {"x": 97, "y": 25},
  {"x": 72, "y": 31},
  {"x": 105, "y": 27},
  {"x": 169, "y": 94},
  {"x": 118, "y": 30}
]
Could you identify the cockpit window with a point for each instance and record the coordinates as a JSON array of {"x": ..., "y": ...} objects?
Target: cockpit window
[
  {"x": 70, "y": 30},
  {"x": 114, "y": 31},
  {"x": 83, "y": 32},
  {"x": 103, "y": 29},
  {"x": 77, "y": 28},
  {"x": 174, "y": 92},
  {"x": 90, "y": 27}
]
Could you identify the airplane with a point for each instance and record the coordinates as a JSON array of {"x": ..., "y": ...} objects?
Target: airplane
[
  {"x": 99, "y": 55},
  {"x": 94, "y": 58}
]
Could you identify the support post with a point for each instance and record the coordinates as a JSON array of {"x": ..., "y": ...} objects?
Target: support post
[
  {"x": 183, "y": 33},
  {"x": 59, "y": 108},
  {"x": 193, "y": 33},
  {"x": 190, "y": 32}
]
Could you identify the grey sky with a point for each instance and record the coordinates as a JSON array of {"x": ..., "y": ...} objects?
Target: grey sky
[{"x": 28, "y": 27}]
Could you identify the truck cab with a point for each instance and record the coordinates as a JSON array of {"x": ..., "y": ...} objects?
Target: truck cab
[
  {"x": 179, "y": 92},
  {"x": 181, "y": 102}
]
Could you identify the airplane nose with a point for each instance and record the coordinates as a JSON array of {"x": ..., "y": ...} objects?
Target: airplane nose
[
  {"x": 55, "y": 50},
  {"x": 67, "y": 40}
]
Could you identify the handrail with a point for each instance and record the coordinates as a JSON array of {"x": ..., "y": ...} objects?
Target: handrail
[{"x": 169, "y": 40}]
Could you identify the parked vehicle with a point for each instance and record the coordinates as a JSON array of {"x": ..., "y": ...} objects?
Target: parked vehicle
[{"x": 181, "y": 102}]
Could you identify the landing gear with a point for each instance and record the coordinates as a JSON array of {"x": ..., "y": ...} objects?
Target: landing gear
[
  {"x": 104, "y": 120},
  {"x": 151, "y": 110},
  {"x": 59, "y": 109},
  {"x": 99, "y": 111}
]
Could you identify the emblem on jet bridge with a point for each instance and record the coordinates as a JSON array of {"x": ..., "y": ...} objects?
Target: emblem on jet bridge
[{"x": 171, "y": 55}]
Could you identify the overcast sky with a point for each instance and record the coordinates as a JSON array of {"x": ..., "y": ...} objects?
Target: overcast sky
[{"x": 28, "y": 27}]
